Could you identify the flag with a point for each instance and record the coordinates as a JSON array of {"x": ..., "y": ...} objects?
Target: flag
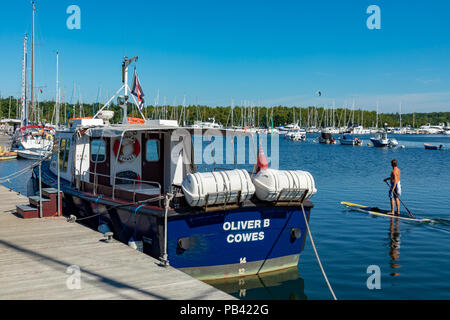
[
  {"x": 40, "y": 90},
  {"x": 136, "y": 90}
]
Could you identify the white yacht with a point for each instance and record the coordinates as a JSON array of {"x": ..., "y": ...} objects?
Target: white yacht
[
  {"x": 209, "y": 124},
  {"x": 429, "y": 129}
]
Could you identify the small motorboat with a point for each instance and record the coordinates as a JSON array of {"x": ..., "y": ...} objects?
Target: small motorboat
[
  {"x": 296, "y": 135},
  {"x": 349, "y": 140},
  {"x": 433, "y": 146},
  {"x": 381, "y": 140},
  {"x": 326, "y": 138},
  {"x": 7, "y": 155}
]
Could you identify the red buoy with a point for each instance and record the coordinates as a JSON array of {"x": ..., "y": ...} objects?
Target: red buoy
[{"x": 262, "y": 163}]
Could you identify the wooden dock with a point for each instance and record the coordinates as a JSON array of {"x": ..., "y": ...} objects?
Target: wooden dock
[{"x": 39, "y": 260}]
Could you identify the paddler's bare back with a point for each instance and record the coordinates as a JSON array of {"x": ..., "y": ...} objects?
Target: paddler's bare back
[{"x": 395, "y": 175}]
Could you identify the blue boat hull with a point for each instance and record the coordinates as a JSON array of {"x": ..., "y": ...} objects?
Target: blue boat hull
[{"x": 237, "y": 242}]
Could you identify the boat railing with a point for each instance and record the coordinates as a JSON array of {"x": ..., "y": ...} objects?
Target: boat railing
[{"x": 136, "y": 186}]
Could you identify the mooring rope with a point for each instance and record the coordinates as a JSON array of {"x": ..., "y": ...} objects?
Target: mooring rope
[
  {"x": 22, "y": 171},
  {"x": 317, "y": 255}
]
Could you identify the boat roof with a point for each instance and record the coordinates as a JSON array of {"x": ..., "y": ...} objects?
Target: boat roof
[
  {"x": 10, "y": 120},
  {"x": 117, "y": 130},
  {"x": 35, "y": 127}
]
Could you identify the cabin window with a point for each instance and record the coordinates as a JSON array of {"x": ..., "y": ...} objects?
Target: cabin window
[
  {"x": 64, "y": 147},
  {"x": 98, "y": 151},
  {"x": 152, "y": 150}
]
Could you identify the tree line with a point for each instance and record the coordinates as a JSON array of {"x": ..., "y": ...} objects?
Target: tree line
[{"x": 237, "y": 116}]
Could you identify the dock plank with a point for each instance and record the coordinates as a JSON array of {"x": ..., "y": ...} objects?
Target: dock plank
[{"x": 35, "y": 255}]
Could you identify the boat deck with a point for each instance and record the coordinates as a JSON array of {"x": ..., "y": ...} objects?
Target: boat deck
[{"x": 36, "y": 256}]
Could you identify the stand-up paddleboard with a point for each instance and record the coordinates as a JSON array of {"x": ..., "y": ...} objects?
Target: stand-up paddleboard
[{"x": 381, "y": 212}]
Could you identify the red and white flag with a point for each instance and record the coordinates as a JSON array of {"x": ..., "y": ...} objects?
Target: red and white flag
[{"x": 136, "y": 90}]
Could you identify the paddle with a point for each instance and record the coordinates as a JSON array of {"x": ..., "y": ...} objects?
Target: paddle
[{"x": 407, "y": 210}]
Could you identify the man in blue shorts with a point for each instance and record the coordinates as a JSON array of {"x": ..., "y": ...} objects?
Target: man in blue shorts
[{"x": 395, "y": 191}]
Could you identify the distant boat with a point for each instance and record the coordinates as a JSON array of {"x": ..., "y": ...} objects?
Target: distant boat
[
  {"x": 381, "y": 140},
  {"x": 350, "y": 140},
  {"x": 210, "y": 124},
  {"x": 429, "y": 129},
  {"x": 326, "y": 137},
  {"x": 297, "y": 135},
  {"x": 360, "y": 130},
  {"x": 433, "y": 147},
  {"x": 34, "y": 138},
  {"x": 37, "y": 154},
  {"x": 7, "y": 155}
]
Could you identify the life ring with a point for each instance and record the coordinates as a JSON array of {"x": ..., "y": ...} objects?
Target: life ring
[
  {"x": 127, "y": 141},
  {"x": 49, "y": 137}
]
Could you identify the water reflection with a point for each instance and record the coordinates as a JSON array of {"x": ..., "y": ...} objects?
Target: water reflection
[
  {"x": 394, "y": 245},
  {"x": 279, "y": 285}
]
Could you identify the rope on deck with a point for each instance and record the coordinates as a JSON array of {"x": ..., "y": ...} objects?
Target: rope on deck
[{"x": 317, "y": 255}]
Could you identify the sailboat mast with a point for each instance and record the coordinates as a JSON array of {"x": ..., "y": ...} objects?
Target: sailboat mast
[
  {"x": 24, "y": 116},
  {"x": 57, "y": 91},
  {"x": 32, "y": 65},
  {"x": 232, "y": 113},
  {"x": 377, "y": 117}
]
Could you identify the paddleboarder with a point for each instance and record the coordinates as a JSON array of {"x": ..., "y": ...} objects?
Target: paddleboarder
[{"x": 395, "y": 190}]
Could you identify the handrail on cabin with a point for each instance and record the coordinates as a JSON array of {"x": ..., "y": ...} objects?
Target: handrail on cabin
[{"x": 157, "y": 184}]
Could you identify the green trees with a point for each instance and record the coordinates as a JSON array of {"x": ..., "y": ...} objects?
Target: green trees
[{"x": 258, "y": 116}]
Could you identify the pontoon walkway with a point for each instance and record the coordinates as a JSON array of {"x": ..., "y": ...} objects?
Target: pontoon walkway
[{"x": 36, "y": 255}]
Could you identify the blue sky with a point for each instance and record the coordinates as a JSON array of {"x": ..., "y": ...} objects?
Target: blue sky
[{"x": 268, "y": 52}]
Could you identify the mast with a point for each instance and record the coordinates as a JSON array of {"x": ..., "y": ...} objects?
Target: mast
[
  {"x": 300, "y": 117},
  {"x": 334, "y": 106},
  {"x": 377, "y": 117},
  {"x": 24, "y": 117},
  {"x": 232, "y": 112},
  {"x": 293, "y": 115},
  {"x": 184, "y": 111},
  {"x": 353, "y": 112},
  {"x": 32, "y": 66},
  {"x": 362, "y": 118},
  {"x": 57, "y": 92},
  {"x": 125, "y": 64}
]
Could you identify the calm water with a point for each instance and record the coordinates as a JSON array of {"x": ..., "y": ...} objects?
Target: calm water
[{"x": 414, "y": 258}]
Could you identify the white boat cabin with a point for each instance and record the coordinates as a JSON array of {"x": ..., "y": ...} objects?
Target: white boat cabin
[{"x": 145, "y": 159}]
